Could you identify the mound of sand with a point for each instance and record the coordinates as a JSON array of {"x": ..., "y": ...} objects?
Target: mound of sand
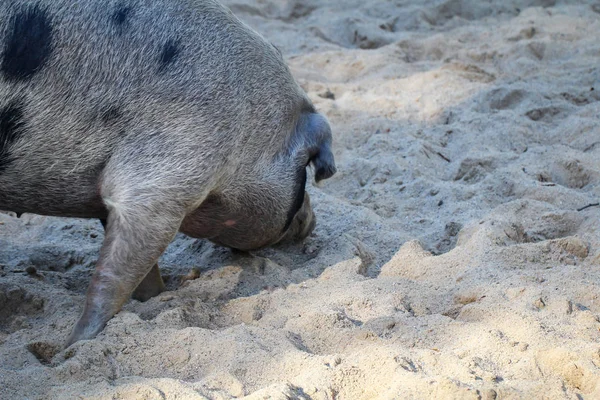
[{"x": 452, "y": 257}]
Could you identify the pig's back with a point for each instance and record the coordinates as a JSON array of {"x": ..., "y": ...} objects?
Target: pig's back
[{"x": 80, "y": 78}]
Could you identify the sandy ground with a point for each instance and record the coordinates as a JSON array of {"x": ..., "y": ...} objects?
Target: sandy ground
[{"x": 450, "y": 259}]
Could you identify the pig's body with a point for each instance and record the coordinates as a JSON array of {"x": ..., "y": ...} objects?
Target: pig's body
[{"x": 154, "y": 116}]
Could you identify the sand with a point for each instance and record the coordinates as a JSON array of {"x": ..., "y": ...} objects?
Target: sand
[{"x": 452, "y": 257}]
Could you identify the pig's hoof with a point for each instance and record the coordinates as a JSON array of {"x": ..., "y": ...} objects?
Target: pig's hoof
[
  {"x": 151, "y": 286},
  {"x": 83, "y": 331},
  {"x": 146, "y": 293}
]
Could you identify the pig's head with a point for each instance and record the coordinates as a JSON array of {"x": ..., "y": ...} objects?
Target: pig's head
[{"x": 266, "y": 203}]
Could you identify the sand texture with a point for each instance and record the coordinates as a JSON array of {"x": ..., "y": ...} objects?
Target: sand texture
[{"x": 450, "y": 260}]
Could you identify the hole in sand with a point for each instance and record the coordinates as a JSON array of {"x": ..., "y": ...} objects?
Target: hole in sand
[
  {"x": 16, "y": 304},
  {"x": 44, "y": 351},
  {"x": 572, "y": 174},
  {"x": 448, "y": 239}
]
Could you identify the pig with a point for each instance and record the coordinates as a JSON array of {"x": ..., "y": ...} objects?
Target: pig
[{"x": 155, "y": 117}]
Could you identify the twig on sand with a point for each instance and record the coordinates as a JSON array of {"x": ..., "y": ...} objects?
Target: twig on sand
[
  {"x": 588, "y": 206},
  {"x": 443, "y": 156}
]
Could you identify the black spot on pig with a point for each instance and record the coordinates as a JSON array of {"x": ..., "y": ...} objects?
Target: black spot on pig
[
  {"x": 111, "y": 114},
  {"x": 121, "y": 16},
  {"x": 11, "y": 128},
  {"x": 27, "y": 45},
  {"x": 170, "y": 52}
]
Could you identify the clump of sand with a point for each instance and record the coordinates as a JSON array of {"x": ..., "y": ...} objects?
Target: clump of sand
[{"x": 453, "y": 256}]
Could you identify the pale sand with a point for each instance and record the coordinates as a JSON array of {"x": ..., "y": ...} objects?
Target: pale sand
[{"x": 449, "y": 260}]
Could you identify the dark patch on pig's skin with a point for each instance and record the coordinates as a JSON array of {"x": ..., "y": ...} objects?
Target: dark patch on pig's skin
[
  {"x": 11, "y": 128},
  {"x": 121, "y": 15},
  {"x": 111, "y": 114},
  {"x": 299, "y": 190},
  {"x": 27, "y": 45},
  {"x": 169, "y": 53}
]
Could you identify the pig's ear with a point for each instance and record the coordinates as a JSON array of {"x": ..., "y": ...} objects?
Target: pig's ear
[{"x": 315, "y": 132}]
